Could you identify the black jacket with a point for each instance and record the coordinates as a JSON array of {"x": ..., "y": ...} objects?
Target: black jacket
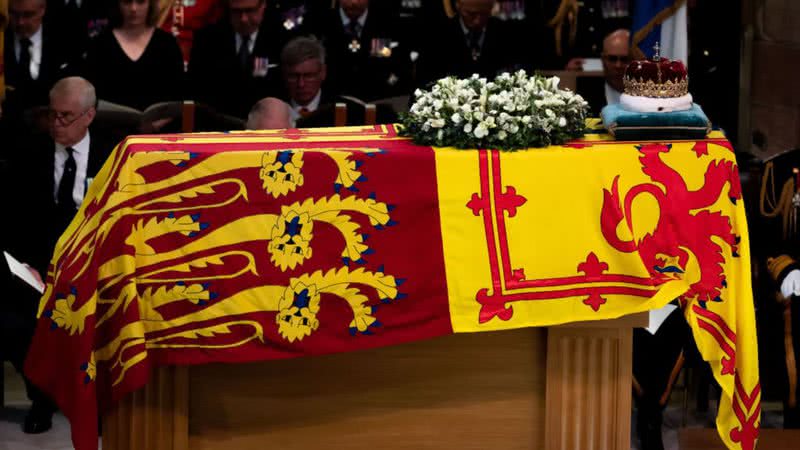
[{"x": 216, "y": 76}]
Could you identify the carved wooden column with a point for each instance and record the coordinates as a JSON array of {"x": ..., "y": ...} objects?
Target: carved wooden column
[
  {"x": 588, "y": 400},
  {"x": 154, "y": 417}
]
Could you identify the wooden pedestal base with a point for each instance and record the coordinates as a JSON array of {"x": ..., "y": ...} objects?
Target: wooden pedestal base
[{"x": 566, "y": 387}]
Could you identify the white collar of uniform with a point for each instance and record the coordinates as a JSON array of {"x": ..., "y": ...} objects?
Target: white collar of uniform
[
  {"x": 362, "y": 19},
  {"x": 313, "y": 105},
  {"x": 81, "y": 148}
]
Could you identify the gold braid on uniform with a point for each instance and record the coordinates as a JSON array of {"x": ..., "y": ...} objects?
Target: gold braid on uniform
[
  {"x": 567, "y": 12},
  {"x": 778, "y": 268},
  {"x": 771, "y": 206},
  {"x": 448, "y": 8}
]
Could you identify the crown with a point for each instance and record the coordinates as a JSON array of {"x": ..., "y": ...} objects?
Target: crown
[{"x": 656, "y": 77}]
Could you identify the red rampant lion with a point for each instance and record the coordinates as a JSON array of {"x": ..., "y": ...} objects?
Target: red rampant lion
[{"x": 685, "y": 227}]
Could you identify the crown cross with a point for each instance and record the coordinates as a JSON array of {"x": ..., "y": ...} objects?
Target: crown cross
[{"x": 657, "y": 50}]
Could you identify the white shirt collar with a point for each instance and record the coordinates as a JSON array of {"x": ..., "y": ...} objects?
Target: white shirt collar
[
  {"x": 36, "y": 46},
  {"x": 250, "y": 44},
  {"x": 362, "y": 19},
  {"x": 81, "y": 148},
  {"x": 612, "y": 95},
  {"x": 312, "y": 106}
]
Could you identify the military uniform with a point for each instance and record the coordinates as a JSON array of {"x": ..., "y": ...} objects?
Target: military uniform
[
  {"x": 183, "y": 18},
  {"x": 365, "y": 60}
]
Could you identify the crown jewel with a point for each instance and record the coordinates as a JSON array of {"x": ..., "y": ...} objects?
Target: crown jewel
[{"x": 657, "y": 77}]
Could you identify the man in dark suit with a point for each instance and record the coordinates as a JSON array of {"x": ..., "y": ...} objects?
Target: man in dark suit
[
  {"x": 600, "y": 92},
  {"x": 471, "y": 42},
  {"x": 34, "y": 57},
  {"x": 304, "y": 69},
  {"x": 54, "y": 173},
  {"x": 80, "y": 19},
  {"x": 233, "y": 62},
  {"x": 365, "y": 58}
]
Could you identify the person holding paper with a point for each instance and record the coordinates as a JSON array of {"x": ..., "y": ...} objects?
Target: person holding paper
[{"x": 54, "y": 174}]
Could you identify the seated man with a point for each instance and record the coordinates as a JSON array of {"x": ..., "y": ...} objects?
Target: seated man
[
  {"x": 304, "y": 71},
  {"x": 615, "y": 59},
  {"x": 312, "y": 103},
  {"x": 269, "y": 114},
  {"x": 54, "y": 173}
]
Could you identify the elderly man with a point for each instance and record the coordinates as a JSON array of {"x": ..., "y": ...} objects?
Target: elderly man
[
  {"x": 233, "y": 61},
  {"x": 304, "y": 70},
  {"x": 615, "y": 58},
  {"x": 269, "y": 114},
  {"x": 471, "y": 42},
  {"x": 54, "y": 173}
]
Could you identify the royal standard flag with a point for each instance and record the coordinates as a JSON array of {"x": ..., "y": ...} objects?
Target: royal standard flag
[{"x": 191, "y": 249}]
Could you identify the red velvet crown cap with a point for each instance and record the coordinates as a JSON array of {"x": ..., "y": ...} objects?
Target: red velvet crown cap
[{"x": 658, "y": 72}]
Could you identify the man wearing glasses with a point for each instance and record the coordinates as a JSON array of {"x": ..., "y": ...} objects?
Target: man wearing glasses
[
  {"x": 615, "y": 59},
  {"x": 54, "y": 173}
]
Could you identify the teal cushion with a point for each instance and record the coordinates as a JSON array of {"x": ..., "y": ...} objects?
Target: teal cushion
[{"x": 634, "y": 126}]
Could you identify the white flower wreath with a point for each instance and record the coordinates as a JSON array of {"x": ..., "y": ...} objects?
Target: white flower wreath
[{"x": 512, "y": 112}]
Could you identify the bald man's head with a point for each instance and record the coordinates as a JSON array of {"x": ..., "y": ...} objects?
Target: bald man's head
[
  {"x": 269, "y": 114},
  {"x": 616, "y": 56}
]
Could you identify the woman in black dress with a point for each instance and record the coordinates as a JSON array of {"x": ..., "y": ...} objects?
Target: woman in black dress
[{"x": 134, "y": 63}]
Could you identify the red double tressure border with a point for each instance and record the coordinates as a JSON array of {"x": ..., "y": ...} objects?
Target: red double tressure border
[{"x": 508, "y": 284}]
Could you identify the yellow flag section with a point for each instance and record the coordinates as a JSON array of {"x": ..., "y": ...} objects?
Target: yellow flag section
[{"x": 598, "y": 229}]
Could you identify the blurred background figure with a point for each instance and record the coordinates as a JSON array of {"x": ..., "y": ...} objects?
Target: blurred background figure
[
  {"x": 183, "y": 18},
  {"x": 615, "y": 57},
  {"x": 35, "y": 56},
  {"x": 270, "y": 114},
  {"x": 134, "y": 63},
  {"x": 233, "y": 62},
  {"x": 366, "y": 58}
]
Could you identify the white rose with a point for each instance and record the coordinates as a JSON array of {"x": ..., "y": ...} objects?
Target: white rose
[
  {"x": 481, "y": 131},
  {"x": 501, "y": 135},
  {"x": 456, "y": 118},
  {"x": 437, "y": 104},
  {"x": 437, "y": 123},
  {"x": 468, "y": 128},
  {"x": 562, "y": 122}
]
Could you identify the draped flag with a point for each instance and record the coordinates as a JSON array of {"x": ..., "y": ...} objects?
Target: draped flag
[
  {"x": 663, "y": 22},
  {"x": 192, "y": 249}
]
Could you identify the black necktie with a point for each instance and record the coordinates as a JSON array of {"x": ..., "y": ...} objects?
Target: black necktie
[
  {"x": 474, "y": 42},
  {"x": 25, "y": 59},
  {"x": 353, "y": 29},
  {"x": 244, "y": 53},
  {"x": 65, "y": 187}
]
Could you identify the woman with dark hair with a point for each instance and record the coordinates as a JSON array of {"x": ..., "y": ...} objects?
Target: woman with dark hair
[{"x": 135, "y": 63}]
